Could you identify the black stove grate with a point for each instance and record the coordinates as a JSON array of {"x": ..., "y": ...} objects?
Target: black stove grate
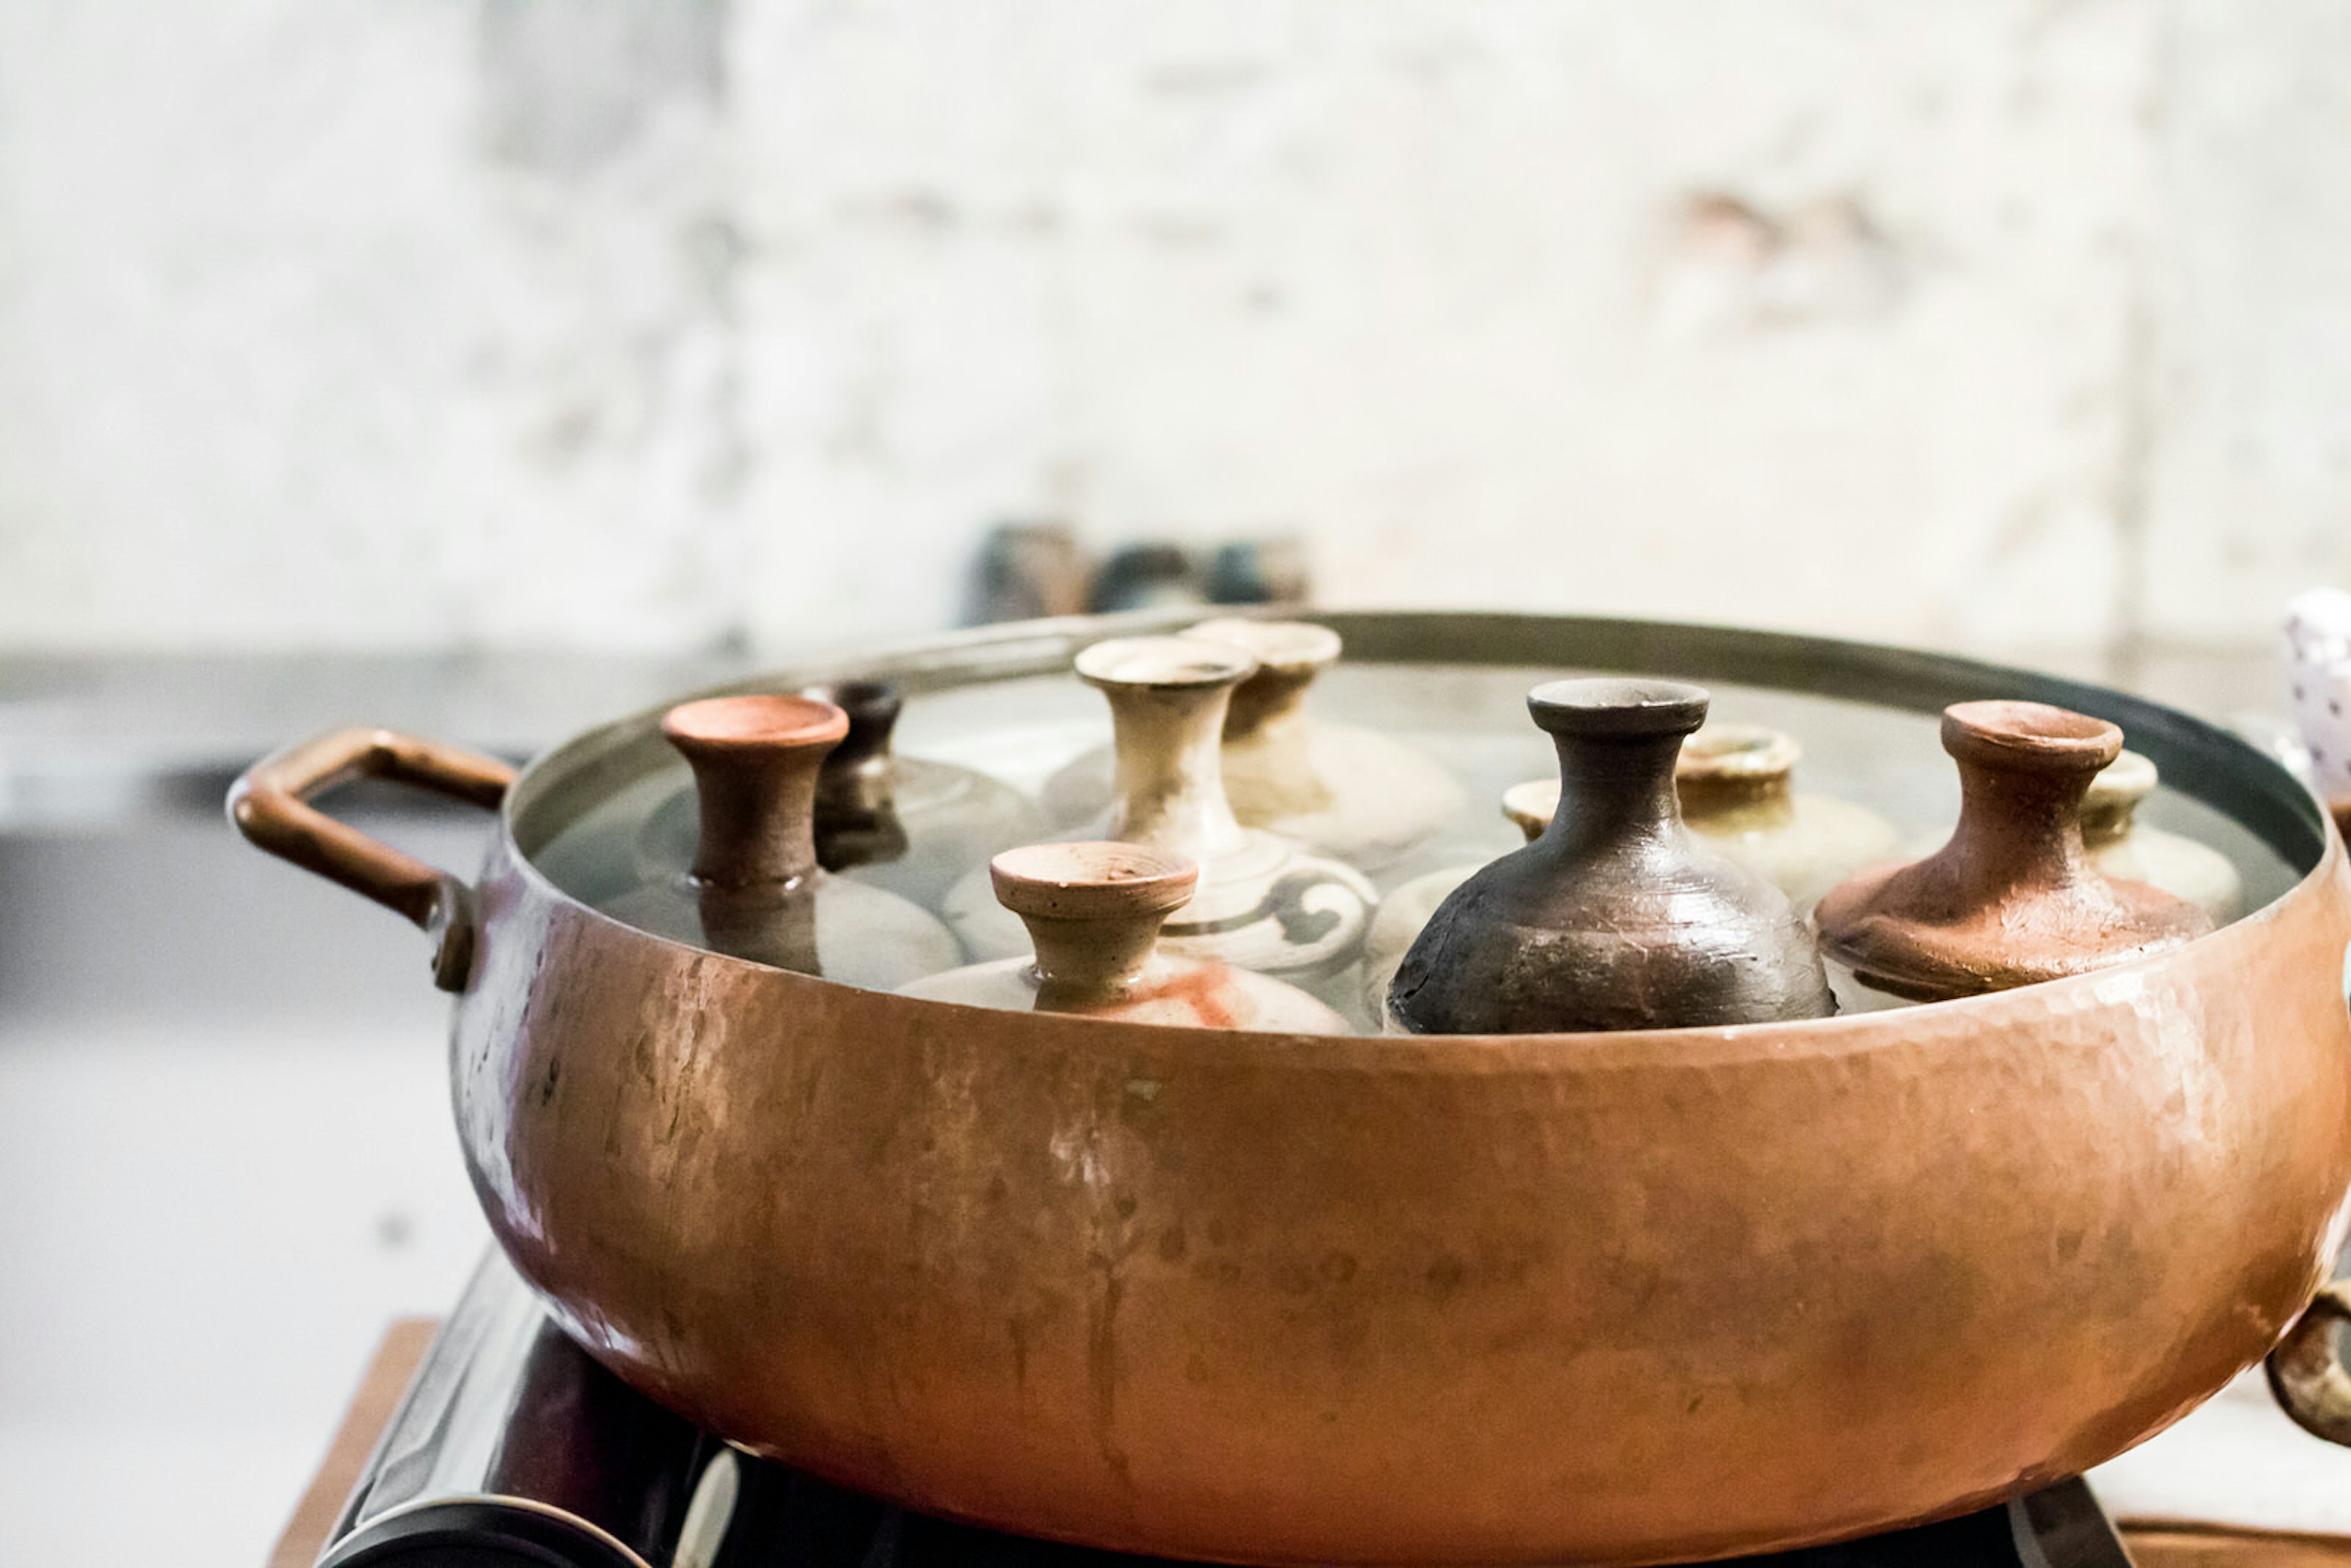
[{"x": 513, "y": 1447}]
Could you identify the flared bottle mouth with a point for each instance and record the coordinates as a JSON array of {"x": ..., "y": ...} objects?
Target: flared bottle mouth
[
  {"x": 1163, "y": 662},
  {"x": 755, "y": 722},
  {"x": 1104, "y": 880},
  {"x": 2031, "y": 736},
  {"x": 1611, "y": 708}
]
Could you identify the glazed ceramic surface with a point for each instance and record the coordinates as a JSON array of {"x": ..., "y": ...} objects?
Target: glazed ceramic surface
[
  {"x": 1605, "y": 1298},
  {"x": 1617, "y": 916},
  {"x": 1094, "y": 912},
  {"x": 1262, "y": 902},
  {"x": 1339, "y": 789},
  {"x": 2012, "y": 899}
]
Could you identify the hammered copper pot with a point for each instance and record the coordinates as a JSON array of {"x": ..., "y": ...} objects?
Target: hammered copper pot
[{"x": 1610, "y": 1298}]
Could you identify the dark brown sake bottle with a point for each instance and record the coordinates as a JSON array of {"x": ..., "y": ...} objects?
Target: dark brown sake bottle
[{"x": 1617, "y": 916}]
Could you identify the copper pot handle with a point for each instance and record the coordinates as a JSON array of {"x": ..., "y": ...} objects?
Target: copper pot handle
[
  {"x": 2304, "y": 1373},
  {"x": 271, "y": 806}
]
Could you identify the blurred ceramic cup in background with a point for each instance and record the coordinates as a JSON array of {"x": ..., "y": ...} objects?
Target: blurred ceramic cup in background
[
  {"x": 1262, "y": 903},
  {"x": 753, "y": 888},
  {"x": 1351, "y": 793},
  {"x": 1093, "y": 911},
  {"x": 2014, "y": 897},
  {"x": 2319, "y": 673},
  {"x": 1616, "y": 917}
]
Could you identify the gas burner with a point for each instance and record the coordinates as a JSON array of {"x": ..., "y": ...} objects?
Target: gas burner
[{"x": 514, "y": 1449}]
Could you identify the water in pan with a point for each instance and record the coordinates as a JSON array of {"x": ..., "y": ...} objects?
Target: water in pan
[{"x": 1473, "y": 719}]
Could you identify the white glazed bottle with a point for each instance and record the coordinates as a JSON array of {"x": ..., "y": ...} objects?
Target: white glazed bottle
[
  {"x": 1351, "y": 793},
  {"x": 1262, "y": 902},
  {"x": 1093, "y": 911}
]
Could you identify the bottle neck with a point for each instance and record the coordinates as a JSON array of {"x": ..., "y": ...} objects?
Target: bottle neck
[
  {"x": 758, "y": 818},
  {"x": 1084, "y": 964},
  {"x": 2019, "y": 827},
  {"x": 1171, "y": 782},
  {"x": 1613, "y": 790}
]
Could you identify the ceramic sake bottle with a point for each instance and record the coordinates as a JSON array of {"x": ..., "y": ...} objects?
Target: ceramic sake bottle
[
  {"x": 1618, "y": 916},
  {"x": 857, "y": 817},
  {"x": 753, "y": 888},
  {"x": 2120, "y": 846},
  {"x": 908, "y": 824},
  {"x": 2319, "y": 673},
  {"x": 1354, "y": 794},
  {"x": 1262, "y": 902},
  {"x": 2014, "y": 897},
  {"x": 1736, "y": 784},
  {"x": 1094, "y": 912}
]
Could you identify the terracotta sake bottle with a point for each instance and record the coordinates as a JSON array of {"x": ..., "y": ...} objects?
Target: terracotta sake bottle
[
  {"x": 909, "y": 824},
  {"x": 1354, "y": 794},
  {"x": 755, "y": 888},
  {"x": 1618, "y": 916},
  {"x": 1262, "y": 902},
  {"x": 1094, "y": 912},
  {"x": 2014, "y": 897}
]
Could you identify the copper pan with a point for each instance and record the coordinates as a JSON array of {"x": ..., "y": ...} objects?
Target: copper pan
[{"x": 1604, "y": 1298}]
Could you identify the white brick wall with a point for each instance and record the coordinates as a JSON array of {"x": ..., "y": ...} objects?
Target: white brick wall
[{"x": 2010, "y": 326}]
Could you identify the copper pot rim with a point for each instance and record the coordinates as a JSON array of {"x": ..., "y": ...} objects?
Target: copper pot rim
[{"x": 1043, "y": 646}]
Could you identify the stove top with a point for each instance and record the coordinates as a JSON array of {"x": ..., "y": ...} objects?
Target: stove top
[{"x": 513, "y": 1447}]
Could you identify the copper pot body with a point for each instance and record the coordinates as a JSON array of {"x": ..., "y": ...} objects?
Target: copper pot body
[{"x": 1618, "y": 1297}]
